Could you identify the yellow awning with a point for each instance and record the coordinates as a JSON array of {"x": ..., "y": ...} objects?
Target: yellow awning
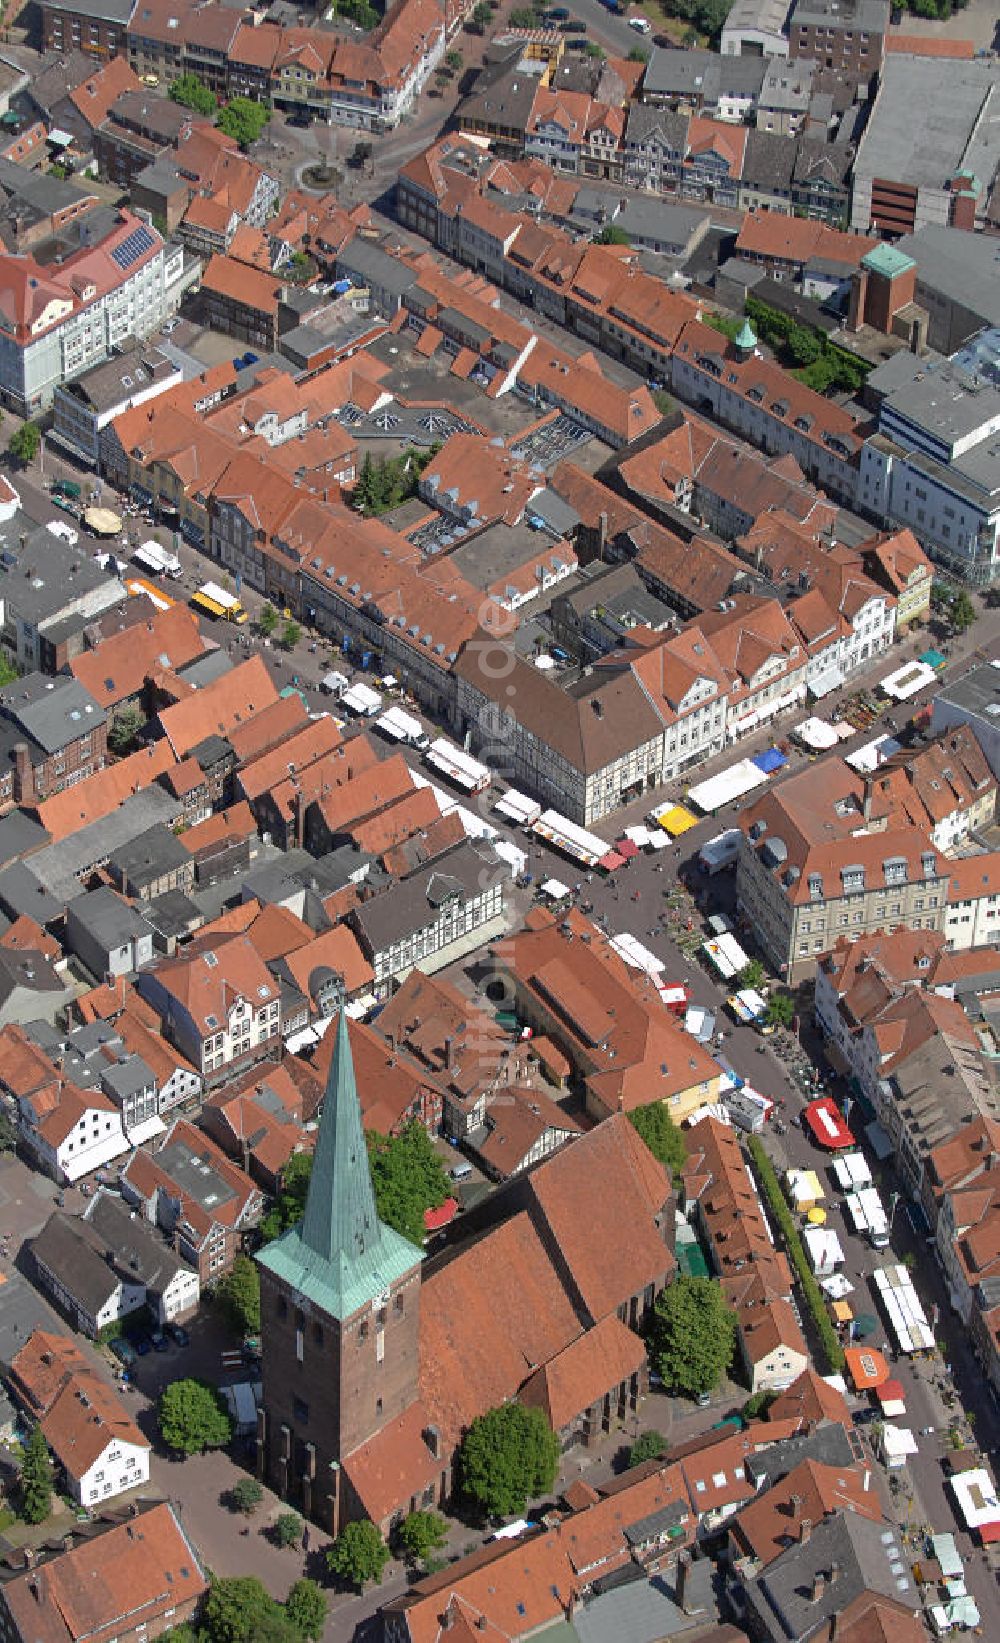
[
  {"x": 102, "y": 521},
  {"x": 677, "y": 820},
  {"x": 816, "y": 1217}
]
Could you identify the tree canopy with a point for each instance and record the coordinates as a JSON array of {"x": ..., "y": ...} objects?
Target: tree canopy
[
  {"x": 421, "y": 1533},
  {"x": 780, "y": 1009},
  {"x": 661, "y": 1135},
  {"x": 305, "y": 1607},
  {"x": 126, "y": 724},
  {"x": 193, "y": 1417},
  {"x": 36, "y": 1478},
  {"x": 963, "y": 611},
  {"x": 247, "y": 1495},
  {"x": 359, "y": 1554},
  {"x": 385, "y": 482},
  {"x": 508, "y": 1455},
  {"x": 691, "y": 1335},
  {"x": 243, "y": 119},
  {"x": 648, "y": 1445},
  {"x": 289, "y": 1206},
  {"x": 191, "y": 92},
  {"x": 240, "y": 1609},
  {"x": 239, "y": 1292},
  {"x": 24, "y": 442},
  {"x": 612, "y": 235},
  {"x": 752, "y": 974},
  {"x": 408, "y": 1178}
]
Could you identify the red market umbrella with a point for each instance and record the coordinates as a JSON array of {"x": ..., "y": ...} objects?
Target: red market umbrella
[
  {"x": 611, "y": 861},
  {"x": 626, "y": 848}
]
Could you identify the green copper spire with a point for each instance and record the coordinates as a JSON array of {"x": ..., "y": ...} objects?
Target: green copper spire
[
  {"x": 340, "y": 1255},
  {"x": 746, "y": 338},
  {"x": 340, "y": 1218}
]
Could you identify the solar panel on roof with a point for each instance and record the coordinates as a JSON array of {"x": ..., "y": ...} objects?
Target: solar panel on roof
[{"x": 133, "y": 246}]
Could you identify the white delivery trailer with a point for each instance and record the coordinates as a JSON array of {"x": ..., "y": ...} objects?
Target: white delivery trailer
[
  {"x": 517, "y": 808},
  {"x": 362, "y": 700},
  {"x": 466, "y": 772},
  {"x": 866, "y": 1215},
  {"x": 729, "y": 785},
  {"x": 851, "y": 1171},
  {"x": 824, "y": 1250},
  {"x": 402, "y": 727},
  {"x": 151, "y": 557},
  {"x": 334, "y": 683},
  {"x": 904, "y": 1312},
  {"x": 720, "y": 852},
  {"x": 748, "y": 1006},
  {"x": 726, "y": 956}
]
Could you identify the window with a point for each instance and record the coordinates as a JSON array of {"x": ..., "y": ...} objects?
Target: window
[
  {"x": 300, "y": 1412},
  {"x": 318, "y": 1334}
]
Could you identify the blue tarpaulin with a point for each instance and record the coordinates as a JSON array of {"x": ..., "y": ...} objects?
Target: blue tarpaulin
[{"x": 769, "y": 761}]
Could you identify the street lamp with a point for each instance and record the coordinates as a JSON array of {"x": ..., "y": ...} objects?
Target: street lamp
[{"x": 893, "y": 1201}]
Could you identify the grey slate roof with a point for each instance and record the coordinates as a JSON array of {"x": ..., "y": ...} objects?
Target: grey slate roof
[
  {"x": 19, "y": 836},
  {"x": 109, "y": 919},
  {"x": 414, "y": 903},
  {"x": 138, "y": 1248},
  {"x": 770, "y": 159},
  {"x": 148, "y": 857},
  {"x": 866, "y": 1556},
  {"x": 53, "y": 712}
]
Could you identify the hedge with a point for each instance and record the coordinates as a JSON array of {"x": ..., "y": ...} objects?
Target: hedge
[{"x": 811, "y": 1292}]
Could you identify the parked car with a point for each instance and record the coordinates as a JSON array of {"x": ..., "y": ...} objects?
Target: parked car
[
  {"x": 142, "y": 1344},
  {"x": 123, "y": 1350},
  {"x": 159, "y": 1341},
  {"x": 178, "y": 1334}
]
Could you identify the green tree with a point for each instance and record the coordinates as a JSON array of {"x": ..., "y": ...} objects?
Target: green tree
[
  {"x": 237, "y": 1609},
  {"x": 752, "y": 974},
  {"x": 191, "y": 92},
  {"x": 647, "y": 1446},
  {"x": 289, "y": 1206},
  {"x": 193, "y": 1417},
  {"x": 522, "y": 17},
  {"x": 804, "y": 345},
  {"x": 8, "y": 1134},
  {"x": 638, "y": 54},
  {"x": 239, "y": 1292},
  {"x": 24, "y": 442},
  {"x": 305, "y": 1607},
  {"x": 422, "y": 1533},
  {"x": 661, "y": 1135},
  {"x": 963, "y": 612},
  {"x": 780, "y": 1009},
  {"x": 592, "y": 49},
  {"x": 126, "y": 724},
  {"x": 663, "y": 402},
  {"x": 36, "y": 1478},
  {"x": 508, "y": 1455},
  {"x": 757, "y": 1405},
  {"x": 246, "y": 1496},
  {"x": 243, "y": 119},
  {"x": 691, "y": 1335},
  {"x": 359, "y": 1554},
  {"x": 287, "y": 1529},
  {"x": 612, "y": 235},
  {"x": 267, "y": 621},
  {"x": 291, "y": 634},
  {"x": 408, "y": 1178},
  {"x": 453, "y": 60}
]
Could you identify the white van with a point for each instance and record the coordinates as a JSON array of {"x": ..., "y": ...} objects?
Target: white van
[
  {"x": 642, "y": 25},
  {"x": 460, "y": 1172}
]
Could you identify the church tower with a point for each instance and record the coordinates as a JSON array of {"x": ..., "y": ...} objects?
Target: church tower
[{"x": 340, "y": 1303}]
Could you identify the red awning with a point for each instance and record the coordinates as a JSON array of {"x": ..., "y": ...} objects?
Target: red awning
[
  {"x": 610, "y": 861},
  {"x": 989, "y": 1533},
  {"x": 891, "y": 1392},
  {"x": 827, "y": 1125},
  {"x": 435, "y": 1219},
  {"x": 626, "y": 848}
]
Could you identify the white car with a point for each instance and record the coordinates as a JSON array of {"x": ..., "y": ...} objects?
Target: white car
[{"x": 642, "y": 25}]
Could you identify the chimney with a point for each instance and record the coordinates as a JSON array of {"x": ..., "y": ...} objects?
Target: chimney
[
  {"x": 818, "y": 1585},
  {"x": 683, "y": 1574},
  {"x": 834, "y": 1571},
  {"x": 449, "y": 1047},
  {"x": 390, "y": 1039},
  {"x": 602, "y": 534},
  {"x": 432, "y": 1438},
  {"x": 866, "y": 805},
  {"x": 805, "y": 1531}
]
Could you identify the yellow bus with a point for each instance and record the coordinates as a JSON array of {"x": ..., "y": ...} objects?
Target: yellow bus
[{"x": 216, "y": 602}]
